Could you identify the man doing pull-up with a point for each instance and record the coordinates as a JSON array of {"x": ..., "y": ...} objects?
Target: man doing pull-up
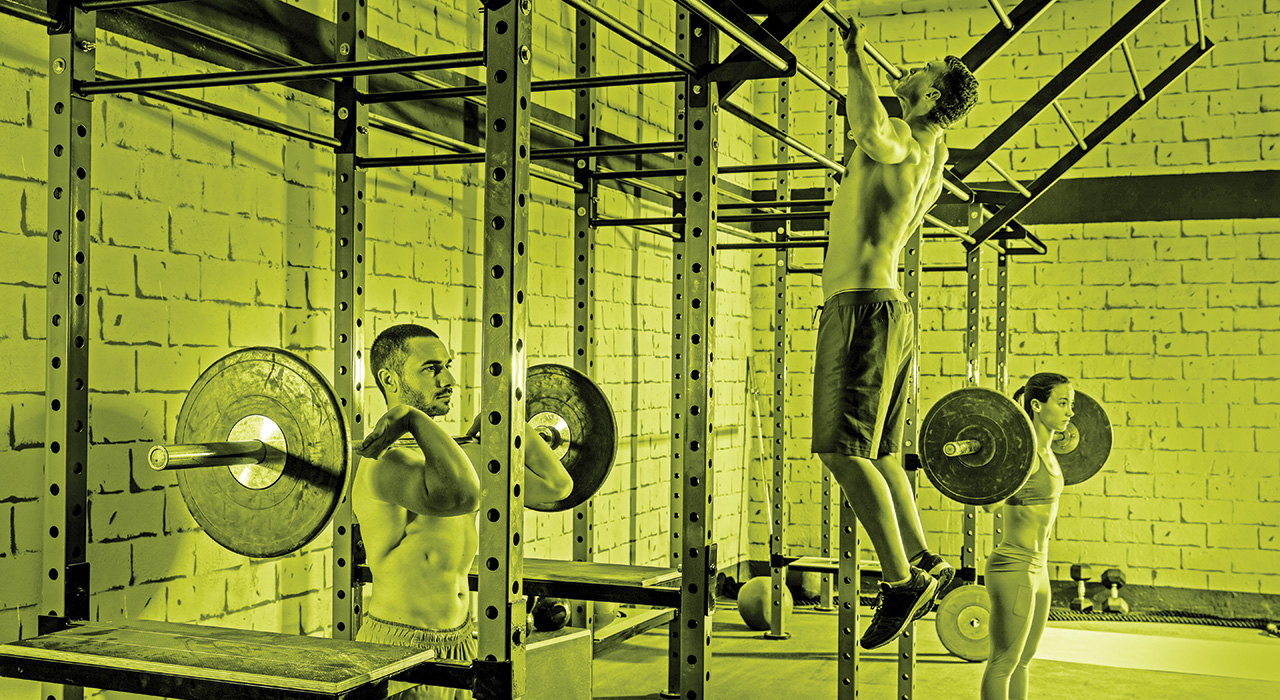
[{"x": 864, "y": 351}]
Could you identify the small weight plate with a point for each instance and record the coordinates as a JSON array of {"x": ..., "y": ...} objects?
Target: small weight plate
[{"x": 963, "y": 621}]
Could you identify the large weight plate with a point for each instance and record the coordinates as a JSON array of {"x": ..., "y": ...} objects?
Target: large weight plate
[
  {"x": 1084, "y": 446},
  {"x": 1000, "y": 467},
  {"x": 274, "y": 514},
  {"x": 567, "y": 404},
  {"x": 963, "y": 622}
]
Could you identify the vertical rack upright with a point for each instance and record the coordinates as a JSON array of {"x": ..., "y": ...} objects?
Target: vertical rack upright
[
  {"x": 584, "y": 357},
  {"x": 778, "y": 512},
  {"x": 500, "y": 665},
  {"x": 64, "y": 592},
  {"x": 351, "y": 129}
]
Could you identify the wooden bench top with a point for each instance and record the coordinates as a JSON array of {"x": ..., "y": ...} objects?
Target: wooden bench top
[{"x": 198, "y": 661}]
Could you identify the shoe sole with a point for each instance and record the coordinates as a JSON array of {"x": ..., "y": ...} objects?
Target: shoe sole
[
  {"x": 944, "y": 587},
  {"x": 923, "y": 605}
]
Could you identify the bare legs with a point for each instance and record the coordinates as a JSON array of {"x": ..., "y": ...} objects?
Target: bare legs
[{"x": 883, "y": 500}]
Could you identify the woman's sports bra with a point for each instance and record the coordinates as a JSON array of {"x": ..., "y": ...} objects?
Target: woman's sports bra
[{"x": 1042, "y": 488}]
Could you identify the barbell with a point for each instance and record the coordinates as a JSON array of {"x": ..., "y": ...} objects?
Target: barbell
[
  {"x": 263, "y": 453},
  {"x": 978, "y": 446}
]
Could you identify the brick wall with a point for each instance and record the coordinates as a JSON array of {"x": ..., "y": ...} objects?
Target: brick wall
[
  {"x": 1171, "y": 325},
  {"x": 209, "y": 236}
]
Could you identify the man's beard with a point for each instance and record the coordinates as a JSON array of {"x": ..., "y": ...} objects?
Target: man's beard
[{"x": 418, "y": 400}]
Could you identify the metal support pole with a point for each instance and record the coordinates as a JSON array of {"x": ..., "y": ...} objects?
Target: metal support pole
[
  {"x": 1200, "y": 40},
  {"x": 1066, "y": 121},
  {"x": 850, "y": 596},
  {"x": 351, "y": 128},
  {"x": 281, "y": 75},
  {"x": 911, "y": 288},
  {"x": 584, "y": 58},
  {"x": 973, "y": 355},
  {"x": 831, "y": 493},
  {"x": 1013, "y": 182},
  {"x": 1000, "y": 13},
  {"x": 1133, "y": 69},
  {"x": 779, "y": 514},
  {"x": 692, "y": 440},
  {"x": 500, "y": 666},
  {"x": 64, "y": 592},
  {"x": 679, "y": 325},
  {"x": 1002, "y": 363}
]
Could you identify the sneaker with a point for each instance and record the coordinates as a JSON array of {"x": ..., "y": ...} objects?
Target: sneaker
[
  {"x": 938, "y": 568},
  {"x": 898, "y": 606}
]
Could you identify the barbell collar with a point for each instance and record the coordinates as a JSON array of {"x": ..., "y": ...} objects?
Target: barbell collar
[
  {"x": 961, "y": 447},
  {"x": 207, "y": 454}
]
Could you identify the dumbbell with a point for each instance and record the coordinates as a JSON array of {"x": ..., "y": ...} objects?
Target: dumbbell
[
  {"x": 1114, "y": 579},
  {"x": 1081, "y": 573},
  {"x": 549, "y": 614}
]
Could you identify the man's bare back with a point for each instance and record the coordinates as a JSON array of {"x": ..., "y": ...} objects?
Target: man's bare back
[{"x": 875, "y": 210}]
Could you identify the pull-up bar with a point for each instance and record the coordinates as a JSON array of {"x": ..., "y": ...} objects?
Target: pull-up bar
[
  {"x": 875, "y": 55},
  {"x": 1004, "y": 16}
]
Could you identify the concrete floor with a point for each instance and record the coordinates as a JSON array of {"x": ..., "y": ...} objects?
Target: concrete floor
[{"x": 743, "y": 665}]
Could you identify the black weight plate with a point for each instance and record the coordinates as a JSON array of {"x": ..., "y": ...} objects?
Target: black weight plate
[
  {"x": 1003, "y": 463},
  {"x": 1084, "y": 446},
  {"x": 593, "y": 433},
  {"x": 286, "y": 515}
]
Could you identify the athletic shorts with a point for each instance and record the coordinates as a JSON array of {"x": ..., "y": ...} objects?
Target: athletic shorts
[
  {"x": 862, "y": 365},
  {"x": 457, "y": 644}
]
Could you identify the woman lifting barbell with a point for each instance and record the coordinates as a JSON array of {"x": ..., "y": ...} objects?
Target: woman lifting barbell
[{"x": 1017, "y": 577}]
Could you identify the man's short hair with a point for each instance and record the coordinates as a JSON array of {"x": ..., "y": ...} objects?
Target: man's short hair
[
  {"x": 390, "y": 349},
  {"x": 959, "y": 93}
]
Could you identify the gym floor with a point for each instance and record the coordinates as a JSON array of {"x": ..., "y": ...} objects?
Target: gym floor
[{"x": 1111, "y": 661}]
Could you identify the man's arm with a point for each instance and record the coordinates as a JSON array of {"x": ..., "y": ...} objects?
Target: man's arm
[
  {"x": 437, "y": 481},
  {"x": 881, "y": 137},
  {"x": 545, "y": 478}
]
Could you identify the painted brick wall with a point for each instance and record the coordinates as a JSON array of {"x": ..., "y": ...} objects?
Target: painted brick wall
[
  {"x": 1172, "y": 325},
  {"x": 209, "y": 236}
]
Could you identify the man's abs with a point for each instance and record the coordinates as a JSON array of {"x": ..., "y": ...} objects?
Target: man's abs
[{"x": 422, "y": 579}]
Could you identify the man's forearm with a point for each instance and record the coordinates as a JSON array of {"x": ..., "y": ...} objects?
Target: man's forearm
[{"x": 449, "y": 465}]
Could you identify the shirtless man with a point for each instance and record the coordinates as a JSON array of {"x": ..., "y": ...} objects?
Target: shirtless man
[
  {"x": 864, "y": 350},
  {"x": 417, "y": 507}
]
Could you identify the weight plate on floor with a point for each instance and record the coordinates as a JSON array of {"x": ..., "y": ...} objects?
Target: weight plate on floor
[
  {"x": 575, "y": 418},
  {"x": 275, "y": 396},
  {"x": 1084, "y": 446},
  {"x": 963, "y": 622},
  {"x": 1003, "y": 462}
]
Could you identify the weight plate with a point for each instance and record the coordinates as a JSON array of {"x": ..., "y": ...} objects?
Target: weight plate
[
  {"x": 576, "y": 414},
  {"x": 1084, "y": 446},
  {"x": 963, "y": 622},
  {"x": 278, "y": 508},
  {"x": 1003, "y": 462}
]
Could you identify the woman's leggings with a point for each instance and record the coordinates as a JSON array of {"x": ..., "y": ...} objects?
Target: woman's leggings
[{"x": 1018, "y": 584}]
